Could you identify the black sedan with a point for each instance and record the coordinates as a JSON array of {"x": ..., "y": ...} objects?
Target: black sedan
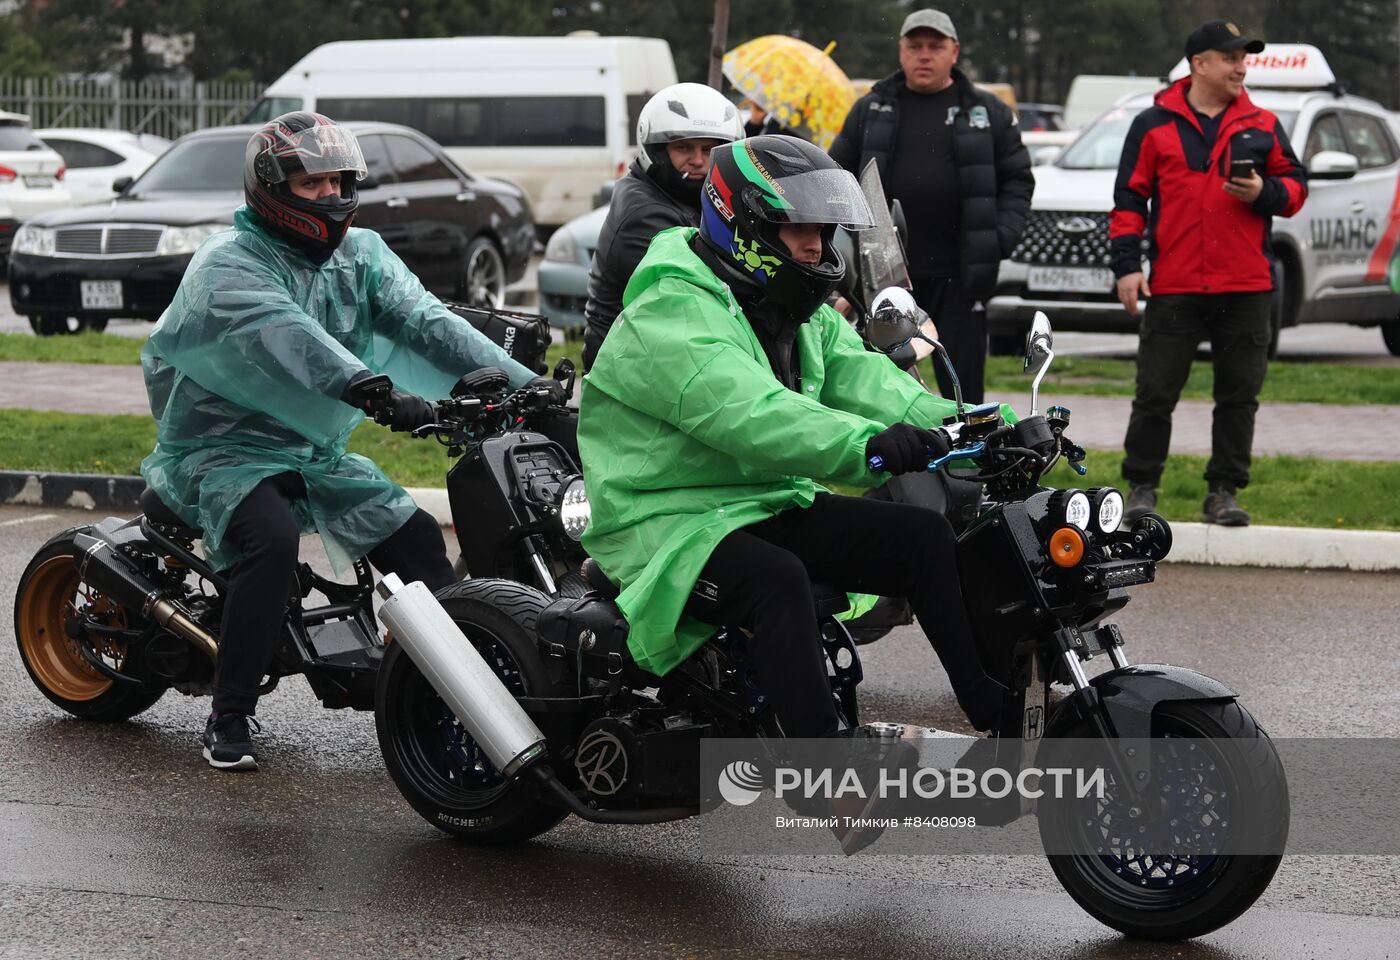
[{"x": 465, "y": 237}]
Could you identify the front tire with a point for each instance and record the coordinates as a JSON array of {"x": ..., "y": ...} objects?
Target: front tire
[
  {"x": 483, "y": 275},
  {"x": 48, "y": 593},
  {"x": 48, "y": 325},
  {"x": 1167, "y": 896},
  {"x": 430, "y": 756}
]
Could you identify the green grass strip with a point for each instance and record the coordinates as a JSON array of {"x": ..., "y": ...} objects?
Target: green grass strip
[{"x": 1287, "y": 491}]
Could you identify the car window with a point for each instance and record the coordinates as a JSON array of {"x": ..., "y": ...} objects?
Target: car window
[
  {"x": 484, "y": 121},
  {"x": 14, "y": 136},
  {"x": 1326, "y": 134},
  {"x": 1100, "y": 146},
  {"x": 78, "y": 155},
  {"x": 269, "y": 107},
  {"x": 204, "y": 163},
  {"x": 1369, "y": 140},
  {"x": 414, "y": 162},
  {"x": 635, "y": 102},
  {"x": 376, "y": 154}
]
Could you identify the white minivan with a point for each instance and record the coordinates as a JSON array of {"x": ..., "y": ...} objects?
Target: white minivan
[{"x": 556, "y": 115}]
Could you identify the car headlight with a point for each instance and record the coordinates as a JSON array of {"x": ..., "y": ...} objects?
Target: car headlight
[
  {"x": 574, "y": 511},
  {"x": 1106, "y": 504},
  {"x": 34, "y": 241},
  {"x": 561, "y": 247},
  {"x": 175, "y": 241}
]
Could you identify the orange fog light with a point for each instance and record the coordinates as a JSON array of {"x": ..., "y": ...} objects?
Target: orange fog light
[{"x": 1067, "y": 546}]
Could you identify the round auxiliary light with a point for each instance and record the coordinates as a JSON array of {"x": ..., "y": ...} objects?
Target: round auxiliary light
[
  {"x": 1067, "y": 546},
  {"x": 574, "y": 510},
  {"x": 1107, "y": 505},
  {"x": 1077, "y": 509}
]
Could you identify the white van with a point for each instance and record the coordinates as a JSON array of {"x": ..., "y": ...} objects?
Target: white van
[
  {"x": 1091, "y": 94},
  {"x": 556, "y": 115}
]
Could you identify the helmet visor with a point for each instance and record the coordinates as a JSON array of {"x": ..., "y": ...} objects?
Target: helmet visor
[
  {"x": 814, "y": 196},
  {"x": 321, "y": 148}
]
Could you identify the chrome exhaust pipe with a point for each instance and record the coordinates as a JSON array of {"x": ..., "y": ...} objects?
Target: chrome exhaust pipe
[
  {"x": 100, "y": 566},
  {"x": 454, "y": 669}
]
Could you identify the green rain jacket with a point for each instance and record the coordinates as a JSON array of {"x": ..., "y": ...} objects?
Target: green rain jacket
[
  {"x": 246, "y": 367},
  {"x": 686, "y": 435}
]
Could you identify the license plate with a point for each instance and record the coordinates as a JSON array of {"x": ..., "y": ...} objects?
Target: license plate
[
  {"x": 101, "y": 294},
  {"x": 39, "y": 181},
  {"x": 1070, "y": 279}
]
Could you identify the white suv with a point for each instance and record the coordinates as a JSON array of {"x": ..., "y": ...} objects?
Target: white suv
[{"x": 1332, "y": 256}]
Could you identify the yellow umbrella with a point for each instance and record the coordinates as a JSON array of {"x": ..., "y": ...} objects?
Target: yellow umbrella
[{"x": 801, "y": 86}]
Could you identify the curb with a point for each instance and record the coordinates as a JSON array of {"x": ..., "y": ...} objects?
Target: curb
[{"x": 1308, "y": 548}]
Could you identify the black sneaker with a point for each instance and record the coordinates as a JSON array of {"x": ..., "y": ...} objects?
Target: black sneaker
[
  {"x": 1142, "y": 500},
  {"x": 1222, "y": 508},
  {"x": 228, "y": 742}
]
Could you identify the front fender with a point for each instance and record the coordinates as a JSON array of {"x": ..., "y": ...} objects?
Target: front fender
[{"x": 1130, "y": 695}]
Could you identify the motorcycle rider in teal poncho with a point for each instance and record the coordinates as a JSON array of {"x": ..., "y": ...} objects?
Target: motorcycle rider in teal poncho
[
  {"x": 724, "y": 389},
  {"x": 247, "y": 372}
]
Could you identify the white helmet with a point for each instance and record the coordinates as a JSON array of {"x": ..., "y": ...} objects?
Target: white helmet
[{"x": 685, "y": 111}]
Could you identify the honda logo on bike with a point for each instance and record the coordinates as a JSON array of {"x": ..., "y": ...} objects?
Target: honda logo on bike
[{"x": 1075, "y": 225}]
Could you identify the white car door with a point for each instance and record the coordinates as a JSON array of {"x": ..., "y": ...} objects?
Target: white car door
[
  {"x": 1374, "y": 192},
  {"x": 1334, "y": 232},
  {"x": 91, "y": 168}
]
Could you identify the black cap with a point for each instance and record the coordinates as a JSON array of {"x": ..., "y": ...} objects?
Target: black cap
[{"x": 1220, "y": 35}]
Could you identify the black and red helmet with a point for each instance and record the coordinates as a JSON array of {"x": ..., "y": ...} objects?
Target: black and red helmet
[{"x": 303, "y": 143}]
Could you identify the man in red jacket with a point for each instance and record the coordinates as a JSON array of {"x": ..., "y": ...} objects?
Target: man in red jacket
[{"x": 1182, "y": 181}]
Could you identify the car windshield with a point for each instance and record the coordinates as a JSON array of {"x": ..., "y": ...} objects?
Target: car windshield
[
  {"x": 201, "y": 164},
  {"x": 1100, "y": 146},
  {"x": 16, "y": 136}
]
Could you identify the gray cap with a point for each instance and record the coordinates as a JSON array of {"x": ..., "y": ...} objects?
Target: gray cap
[{"x": 928, "y": 19}]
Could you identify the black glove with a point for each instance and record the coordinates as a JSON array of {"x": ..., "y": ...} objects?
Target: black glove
[
  {"x": 557, "y": 395},
  {"x": 905, "y": 448},
  {"x": 405, "y": 412}
]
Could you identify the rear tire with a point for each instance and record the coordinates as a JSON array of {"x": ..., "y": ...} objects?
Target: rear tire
[
  {"x": 1390, "y": 333},
  {"x": 1176, "y": 897},
  {"x": 431, "y": 758},
  {"x": 43, "y": 603},
  {"x": 95, "y": 324}
]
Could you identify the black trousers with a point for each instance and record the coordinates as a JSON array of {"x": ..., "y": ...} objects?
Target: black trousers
[
  {"x": 760, "y": 578},
  {"x": 260, "y": 585},
  {"x": 1237, "y": 325},
  {"x": 962, "y": 329}
]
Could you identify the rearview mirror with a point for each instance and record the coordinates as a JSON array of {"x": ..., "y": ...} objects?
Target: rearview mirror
[
  {"x": 1333, "y": 165},
  {"x": 1039, "y": 340},
  {"x": 120, "y": 184},
  {"x": 894, "y": 319}
]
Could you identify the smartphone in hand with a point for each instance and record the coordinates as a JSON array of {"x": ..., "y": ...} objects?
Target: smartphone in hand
[{"x": 1241, "y": 169}]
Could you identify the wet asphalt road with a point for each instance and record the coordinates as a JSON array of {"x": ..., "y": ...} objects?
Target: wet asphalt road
[{"x": 117, "y": 841}]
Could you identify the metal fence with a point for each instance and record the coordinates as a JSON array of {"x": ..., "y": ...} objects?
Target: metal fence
[{"x": 145, "y": 106}]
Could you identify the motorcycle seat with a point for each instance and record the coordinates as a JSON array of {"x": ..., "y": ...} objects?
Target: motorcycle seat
[
  {"x": 158, "y": 513},
  {"x": 829, "y": 600}
]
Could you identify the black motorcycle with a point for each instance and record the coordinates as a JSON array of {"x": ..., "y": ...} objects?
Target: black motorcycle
[
  {"x": 575, "y": 726},
  {"x": 111, "y": 615}
]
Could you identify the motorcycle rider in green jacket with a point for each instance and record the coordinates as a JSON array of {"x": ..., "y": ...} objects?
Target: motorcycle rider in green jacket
[
  {"x": 724, "y": 391},
  {"x": 247, "y": 373}
]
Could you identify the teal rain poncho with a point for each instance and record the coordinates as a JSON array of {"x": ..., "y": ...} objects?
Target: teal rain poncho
[
  {"x": 246, "y": 368},
  {"x": 686, "y": 435}
]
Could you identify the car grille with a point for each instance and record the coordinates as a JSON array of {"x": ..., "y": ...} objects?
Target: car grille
[
  {"x": 1064, "y": 238},
  {"x": 107, "y": 241}
]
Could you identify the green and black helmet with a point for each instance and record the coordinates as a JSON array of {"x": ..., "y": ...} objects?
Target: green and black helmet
[{"x": 754, "y": 187}]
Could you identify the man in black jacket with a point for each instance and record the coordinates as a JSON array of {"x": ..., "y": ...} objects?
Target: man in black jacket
[
  {"x": 676, "y": 130},
  {"x": 952, "y": 155}
]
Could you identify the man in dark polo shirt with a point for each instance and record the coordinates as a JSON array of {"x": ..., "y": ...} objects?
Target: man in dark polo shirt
[{"x": 952, "y": 155}]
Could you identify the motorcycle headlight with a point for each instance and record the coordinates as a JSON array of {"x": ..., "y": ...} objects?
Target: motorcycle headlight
[
  {"x": 34, "y": 241},
  {"x": 175, "y": 241},
  {"x": 1077, "y": 511},
  {"x": 574, "y": 511},
  {"x": 1107, "y": 506},
  {"x": 561, "y": 247}
]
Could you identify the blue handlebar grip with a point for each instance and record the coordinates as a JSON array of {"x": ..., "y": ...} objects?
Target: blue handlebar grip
[
  {"x": 876, "y": 464},
  {"x": 1079, "y": 468}
]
